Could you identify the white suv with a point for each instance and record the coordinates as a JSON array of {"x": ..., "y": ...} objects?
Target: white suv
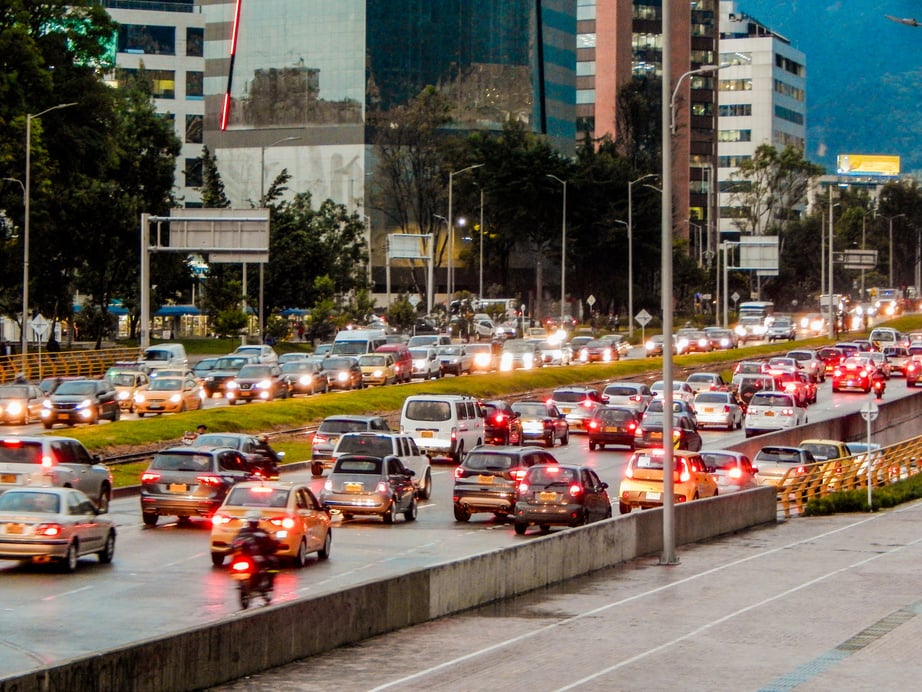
[
  {"x": 443, "y": 425},
  {"x": 376, "y": 444},
  {"x": 771, "y": 411}
]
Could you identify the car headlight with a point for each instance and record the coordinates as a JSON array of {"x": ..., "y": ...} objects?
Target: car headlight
[
  {"x": 377, "y": 373},
  {"x": 175, "y": 398},
  {"x": 86, "y": 403},
  {"x": 342, "y": 376},
  {"x": 14, "y": 408},
  {"x": 306, "y": 379},
  {"x": 47, "y": 404},
  {"x": 231, "y": 385},
  {"x": 123, "y": 395},
  {"x": 263, "y": 384},
  {"x": 139, "y": 397}
]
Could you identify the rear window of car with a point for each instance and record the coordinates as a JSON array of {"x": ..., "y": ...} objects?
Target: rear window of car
[
  {"x": 257, "y": 496},
  {"x": 569, "y": 397},
  {"x": 28, "y": 502},
  {"x": 720, "y": 461},
  {"x": 620, "y": 391},
  {"x": 214, "y": 440},
  {"x": 490, "y": 462},
  {"x": 181, "y": 462},
  {"x": 542, "y": 475},
  {"x": 711, "y": 398},
  {"x": 615, "y": 416},
  {"x": 428, "y": 410},
  {"x": 371, "y": 466},
  {"x": 648, "y": 461},
  {"x": 15, "y": 452},
  {"x": 785, "y": 456},
  {"x": 822, "y": 451},
  {"x": 768, "y": 399},
  {"x": 366, "y": 445},
  {"x": 342, "y": 426},
  {"x": 530, "y": 410}
]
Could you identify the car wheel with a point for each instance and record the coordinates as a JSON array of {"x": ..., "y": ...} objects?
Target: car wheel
[
  {"x": 462, "y": 513},
  {"x": 69, "y": 561},
  {"x": 458, "y": 454},
  {"x": 390, "y": 516},
  {"x": 150, "y": 518},
  {"x": 565, "y": 440},
  {"x": 410, "y": 514},
  {"x": 102, "y": 502},
  {"x": 549, "y": 441},
  {"x": 592, "y": 446},
  {"x": 217, "y": 559},
  {"x": 301, "y": 555},
  {"x": 425, "y": 488},
  {"x": 545, "y": 528},
  {"x": 624, "y": 508},
  {"x": 520, "y": 528},
  {"x": 108, "y": 549},
  {"x": 316, "y": 469},
  {"x": 324, "y": 552}
]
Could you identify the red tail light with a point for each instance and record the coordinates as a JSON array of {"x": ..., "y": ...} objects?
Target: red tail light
[
  {"x": 150, "y": 477},
  {"x": 736, "y": 472},
  {"x": 518, "y": 474},
  {"x": 727, "y": 408},
  {"x": 587, "y": 403},
  {"x": 523, "y": 488},
  {"x": 593, "y": 424},
  {"x": 459, "y": 472},
  {"x": 634, "y": 397},
  {"x": 787, "y": 412},
  {"x": 381, "y": 487},
  {"x": 682, "y": 475},
  {"x": 575, "y": 490},
  {"x": 632, "y": 426},
  {"x": 242, "y": 565},
  {"x": 210, "y": 479},
  {"x": 800, "y": 470},
  {"x": 499, "y": 418},
  {"x": 49, "y": 530}
]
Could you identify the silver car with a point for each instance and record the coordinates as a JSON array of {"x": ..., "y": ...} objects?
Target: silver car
[{"x": 718, "y": 409}]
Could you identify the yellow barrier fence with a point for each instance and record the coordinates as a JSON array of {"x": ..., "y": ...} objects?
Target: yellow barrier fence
[
  {"x": 79, "y": 363},
  {"x": 887, "y": 465}
]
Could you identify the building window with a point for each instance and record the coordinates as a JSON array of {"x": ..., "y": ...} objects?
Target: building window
[
  {"x": 194, "y": 129},
  {"x": 735, "y": 85},
  {"x": 163, "y": 82},
  {"x": 147, "y": 39},
  {"x": 732, "y": 161},
  {"x": 585, "y": 68},
  {"x": 734, "y": 110},
  {"x": 195, "y": 85},
  {"x": 788, "y": 90},
  {"x": 585, "y": 41},
  {"x": 585, "y": 10},
  {"x": 736, "y": 58},
  {"x": 789, "y": 115},
  {"x": 789, "y": 65},
  {"x": 193, "y": 173},
  {"x": 195, "y": 42},
  {"x": 585, "y": 96},
  {"x": 702, "y": 108},
  {"x": 734, "y": 136}
]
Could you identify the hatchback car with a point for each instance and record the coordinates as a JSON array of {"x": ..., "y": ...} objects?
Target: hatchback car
[
  {"x": 770, "y": 411},
  {"x": 578, "y": 404},
  {"x": 642, "y": 485},
  {"x": 289, "y": 512},
  {"x": 680, "y": 390},
  {"x": 732, "y": 470},
  {"x": 324, "y": 439},
  {"x": 486, "y": 480},
  {"x": 455, "y": 359},
  {"x": 560, "y": 495},
  {"x": 718, "y": 409},
  {"x": 807, "y": 359},
  {"x": 169, "y": 395},
  {"x": 602, "y": 350},
  {"x": 305, "y": 376},
  {"x": 485, "y": 356},
  {"x": 775, "y": 462},
  {"x": 720, "y": 338},
  {"x": 853, "y": 373},
  {"x": 343, "y": 372},
  {"x": 203, "y": 367},
  {"x": 127, "y": 383},
  {"x": 80, "y": 401},
  {"x": 519, "y": 354},
  {"x": 60, "y": 524},
  {"x": 426, "y": 363},
  {"x": 613, "y": 425},
  {"x": 501, "y": 424},
  {"x": 706, "y": 381},
  {"x": 693, "y": 341},
  {"x": 684, "y": 435},
  {"x": 190, "y": 481},
  {"x": 384, "y": 444},
  {"x": 542, "y": 422},
  {"x": 635, "y": 395},
  {"x": 53, "y": 461},
  {"x": 260, "y": 353},
  {"x": 378, "y": 369},
  {"x": 365, "y": 485},
  {"x": 256, "y": 448},
  {"x": 20, "y": 403}
]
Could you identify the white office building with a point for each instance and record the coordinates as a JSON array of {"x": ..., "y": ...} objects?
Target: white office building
[{"x": 762, "y": 98}]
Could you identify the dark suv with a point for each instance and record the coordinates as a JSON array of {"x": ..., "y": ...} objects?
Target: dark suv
[
  {"x": 81, "y": 401},
  {"x": 486, "y": 480},
  {"x": 191, "y": 481},
  {"x": 329, "y": 432},
  {"x": 257, "y": 382},
  {"x": 501, "y": 425}
]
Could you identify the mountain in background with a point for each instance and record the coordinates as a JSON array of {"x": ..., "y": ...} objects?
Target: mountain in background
[{"x": 864, "y": 74}]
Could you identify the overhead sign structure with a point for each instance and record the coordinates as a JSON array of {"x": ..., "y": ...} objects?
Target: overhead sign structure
[
  {"x": 411, "y": 246},
  {"x": 759, "y": 253},
  {"x": 856, "y": 259},
  {"x": 867, "y": 164}
]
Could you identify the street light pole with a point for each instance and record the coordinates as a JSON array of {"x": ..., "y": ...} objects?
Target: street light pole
[
  {"x": 890, "y": 220},
  {"x": 630, "y": 251},
  {"x": 563, "y": 249},
  {"x": 830, "y": 271},
  {"x": 451, "y": 229},
  {"x": 25, "y": 234},
  {"x": 480, "y": 284}
]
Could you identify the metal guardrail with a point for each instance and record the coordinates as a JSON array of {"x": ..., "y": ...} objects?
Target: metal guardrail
[
  {"x": 75, "y": 363},
  {"x": 887, "y": 465}
]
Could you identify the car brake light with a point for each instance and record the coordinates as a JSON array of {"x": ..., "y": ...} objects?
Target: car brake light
[
  {"x": 150, "y": 477},
  {"x": 320, "y": 439},
  {"x": 593, "y": 424},
  {"x": 800, "y": 470},
  {"x": 632, "y": 426},
  {"x": 787, "y": 412},
  {"x": 683, "y": 476},
  {"x": 209, "y": 479},
  {"x": 459, "y": 472},
  {"x": 575, "y": 490},
  {"x": 634, "y": 397},
  {"x": 523, "y": 488},
  {"x": 219, "y": 519},
  {"x": 382, "y": 487},
  {"x": 726, "y": 408},
  {"x": 499, "y": 418},
  {"x": 518, "y": 474},
  {"x": 49, "y": 530},
  {"x": 283, "y": 522},
  {"x": 736, "y": 472},
  {"x": 629, "y": 472}
]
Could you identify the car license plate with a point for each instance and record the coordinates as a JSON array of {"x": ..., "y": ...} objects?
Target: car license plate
[
  {"x": 178, "y": 488},
  {"x": 427, "y": 433},
  {"x": 63, "y": 416},
  {"x": 8, "y": 478},
  {"x": 769, "y": 414},
  {"x": 155, "y": 407},
  {"x": 654, "y": 496},
  {"x": 709, "y": 409},
  {"x": 353, "y": 487},
  {"x": 544, "y": 496},
  {"x": 656, "y": 436},
  {"x": 12, "y": 529},
  {"x": 565, "y": 410},
  {"x": 611, "y": 429},
  {"x": 485, "y": 480}
]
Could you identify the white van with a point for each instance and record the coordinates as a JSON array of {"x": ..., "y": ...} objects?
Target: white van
[
  {"x": 443, "y": 425},
  {"x": 163, "y": 357},
  {"x": 357, "y": 342}
]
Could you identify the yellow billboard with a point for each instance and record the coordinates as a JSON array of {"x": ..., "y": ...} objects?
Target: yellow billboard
[{"x": 867, "y": 164}]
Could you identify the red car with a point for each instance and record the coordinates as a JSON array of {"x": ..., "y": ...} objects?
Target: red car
[{"x": 853, "y": 373}]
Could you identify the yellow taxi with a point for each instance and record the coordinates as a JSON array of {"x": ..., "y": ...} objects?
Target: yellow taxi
[
  {"x": 127, "y": 383},
  {"x": 642, "y": 485},
  {"x": 378, "y": 368},
  {"x": 169, "y": 394},
  {"x": 290, "y": 512}
]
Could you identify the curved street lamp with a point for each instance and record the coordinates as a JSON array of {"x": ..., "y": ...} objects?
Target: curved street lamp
[
  {"x": 563, "y": 249},
  {"x": 451, "y": 229}
]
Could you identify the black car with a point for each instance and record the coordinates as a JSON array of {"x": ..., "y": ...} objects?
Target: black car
[
  {"x": 501, "y": 424},
  {"x": 542, "y": 422},
  {"x": 225, "y": 369},
  {"x": 684, "y": 435},
  {"x": 256, "y": 382},
  {"x": 81, "y": 401},
  {"x": 366, "y": 485},
  {"x": 255, "y": 448},
  {"x": 612, "y": 425},
  {"x": 305, "y": 376},
  {"x": 343, "y": 372},
  {"x": 560, "y": 495},
  {"x": 487, "y": 478},
  {"x": 191, "y": 481}
]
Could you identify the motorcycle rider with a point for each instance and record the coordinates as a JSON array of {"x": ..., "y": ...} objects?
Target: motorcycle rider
[
  {"x": 878, "y": 382},
  {"x": 257, "y": 544},
  {"x": 267, "y": 460}
]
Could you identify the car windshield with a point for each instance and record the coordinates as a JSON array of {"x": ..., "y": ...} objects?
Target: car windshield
[
  {"x": 338, "y": 363},
  {"x": 784, "y": 456},
  {"x": 451, "y": 350},
  {"x": 821, "y": 451},
  {"x": 76, "y": 388},
  {"x": 773, "y": 400},
  {"x": 358, "y": 465},
  {"x": 656, "y": 406},
  {"x": 157, "y": 355},
  {"x": 298, "y": 366},
  {"x": 373, "y": 360},
  {"x": 720, "y": 462},
  {"x": 204, "y": 365},
  {"x": 165, "y": 384},
  {"x": 614, "y": 415},
  {"x": 648, "y": 461},
  {"x": 14, "y": 392},
  {"x": 257, "y": 496},
  {"x": 620, "y": 390},
  {"x": 366, "y": 445},
  {"x": 121, "y": 379},
  {"x": 480, "y": 461},
  {"x": 518, "y": 347},
  {"x": 428, "y": 410},
  {"x": 30, "y": 502},
  {"x": 701, "y": 377},
  {"x": 254, "y": 372}
]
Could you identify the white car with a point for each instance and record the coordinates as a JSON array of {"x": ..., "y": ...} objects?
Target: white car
[
  {"x": 680, "y": 390},
  {"x": 634, "y": 395},
  {"x": 426, "y": 363},
  {"x": 771, "y": 411},
  {"x": 262, "y": 354},
  {"x": 718, "y": 409}
]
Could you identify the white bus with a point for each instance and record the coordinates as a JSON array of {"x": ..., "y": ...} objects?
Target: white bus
[
  {"x": 756, "y": 308},
  {"x": 510, "y": 307}
]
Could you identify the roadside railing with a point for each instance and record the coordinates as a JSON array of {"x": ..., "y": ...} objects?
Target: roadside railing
[
  {"x": 887, "y": 465},
  {"x": 79, "y": 362}
]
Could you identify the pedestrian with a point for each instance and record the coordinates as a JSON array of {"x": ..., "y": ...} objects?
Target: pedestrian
[
  {"x": 300, "y": 331},
  {"x": 201, "y": 429},
  {"x": 617, "y": 323}
]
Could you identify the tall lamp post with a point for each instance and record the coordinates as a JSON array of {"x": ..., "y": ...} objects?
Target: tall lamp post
[
  {"x": 890, "y": 267},
  {"x": 630, "y": 250},
  {"x": 451, "y": 228},
  {"x": 25, "y": 236},
  {"x": 563, "y": 249}
]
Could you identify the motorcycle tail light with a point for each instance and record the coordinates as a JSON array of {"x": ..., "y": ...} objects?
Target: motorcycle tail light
[{"x": 242, "y": 564}]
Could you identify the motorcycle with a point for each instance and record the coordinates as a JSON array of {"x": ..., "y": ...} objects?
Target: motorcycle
[
  {"x": 252, "y": 579},
  {"x": 879, "y": 387}
]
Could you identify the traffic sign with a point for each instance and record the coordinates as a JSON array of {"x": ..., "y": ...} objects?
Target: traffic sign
[
  {"x": 870, "y": 411},
  {"x": 591, "y": 300},
  {"x": 643, "y": 318},
  {"x": 40, "y": 326}
]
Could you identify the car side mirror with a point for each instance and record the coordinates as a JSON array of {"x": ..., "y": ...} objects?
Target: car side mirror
[{"x": 755, "y": 470}]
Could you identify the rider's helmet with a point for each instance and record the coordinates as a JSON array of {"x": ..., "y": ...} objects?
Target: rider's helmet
[{"x": 252, "y": 518}]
